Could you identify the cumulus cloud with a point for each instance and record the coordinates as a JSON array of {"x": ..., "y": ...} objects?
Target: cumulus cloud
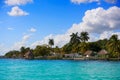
[
  {"x": 84, "y": 1},
  {"x": 16, "y": 11},
  {"x": 98, "y": 20},
  {"x": 32, "y": 30},
  {"x": 17, "y": 2}
]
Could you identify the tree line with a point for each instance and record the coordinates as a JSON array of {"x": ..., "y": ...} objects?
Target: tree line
[{"x": 78, "y": 44}]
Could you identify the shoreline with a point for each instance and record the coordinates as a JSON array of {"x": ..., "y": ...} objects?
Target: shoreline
[{"x": 74, "y": 59}]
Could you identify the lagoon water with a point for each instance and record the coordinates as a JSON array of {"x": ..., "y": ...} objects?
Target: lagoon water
[{"x": 16, "y": 69}]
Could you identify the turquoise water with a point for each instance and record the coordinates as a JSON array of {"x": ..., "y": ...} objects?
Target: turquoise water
[{"x": 58, "y": 70}]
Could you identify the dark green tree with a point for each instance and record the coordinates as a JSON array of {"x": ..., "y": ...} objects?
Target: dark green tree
[
  {"x": 75, "y": 39},
  {"x": 12, "y": 54},
  {"x": 84, "y": 36},
  {"x": 113, "y": 46},
  {"x": 51, "y": 42},
  {"x": 41, "y": 51}
]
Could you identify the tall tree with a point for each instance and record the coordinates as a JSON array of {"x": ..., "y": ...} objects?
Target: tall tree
[
  {"x": 84, "y": 36},
  {"x": 41, "y": 51},
  {"x": 75, "y": 39},
  {"x": 113, "y": 46},
  {"x": 102, "y": 43},
  {"x": 51, "y": 42},
  {"x": 22, "y": 50}
]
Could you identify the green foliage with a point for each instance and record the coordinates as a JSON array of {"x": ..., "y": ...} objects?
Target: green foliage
[
  {"x": 94, "y": 46},
  {"x": 67, "y": 48},
  {"x": 113, "y": 46},
  {"x": 84, "y": 47},
  {"x": 102, "y": 43},
  {"x": 84, "y": 36},
  {"x": 75, "y": 39},
  {"x": 41, "y": 51},
  {"x": 51, "y": 42},
  {"x": 77, "y": 44},
  {"x": 57, "y": 49},
  {"x": 23, "y": 50},
  {"x": 12, "y": 54}
]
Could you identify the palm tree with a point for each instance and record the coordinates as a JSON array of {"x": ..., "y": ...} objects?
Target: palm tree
[
  {"x": 84, "y": 36},
  {"x": 51, "y": 42},
  {"x": 74, "y": 42},
  {"x": 22, "y": 50},
  {"x": 75, "y": 39},
  {"x": 113, "y": 46}
]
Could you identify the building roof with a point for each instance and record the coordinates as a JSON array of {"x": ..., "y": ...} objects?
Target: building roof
[
  {"x": 103, "y": 51},
  {"x": 89, "y": 52},
  {"x": 29, "y": 54}
]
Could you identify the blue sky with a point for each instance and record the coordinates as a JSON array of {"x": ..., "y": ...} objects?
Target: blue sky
[{"x": 33, "y": 22}]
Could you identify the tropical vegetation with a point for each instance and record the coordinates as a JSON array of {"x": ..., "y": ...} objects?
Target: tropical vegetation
[{"x": 78, "y": 44}]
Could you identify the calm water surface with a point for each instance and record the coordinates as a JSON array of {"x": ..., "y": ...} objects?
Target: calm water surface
[{"x": 58, "y": 70}]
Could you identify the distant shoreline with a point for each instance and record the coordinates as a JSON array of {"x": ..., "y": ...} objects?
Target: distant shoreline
[{"x": 110, "y": 59}]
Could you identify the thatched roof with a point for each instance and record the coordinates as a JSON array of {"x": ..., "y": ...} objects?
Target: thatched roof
[
  {"x": 89, "y": 52},
  {"x": 29, "y": 55},
  {"x": 102, "y": 52}
]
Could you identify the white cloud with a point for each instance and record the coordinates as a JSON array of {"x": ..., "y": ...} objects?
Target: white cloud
[
  {"x": 41, "y": 42},
  {"x": 16, "y": 11},
  {"x": 23, "y": 42},
  {"x": 90, "y": 1},
  {"x": 10, "y": 28},
  {"x": 108, "y": 34},
  {"x": 111, "y": 1},
  {"x": 17, "y": 2},
  {"x": 84, "y": 1},
  {"x": 16, "y": 46},
  {"x": 26, "y": 37},
  {"x": 32, "y": 30},
  {"x": 3, "y": 49},
  {"x": 98, "y": 20},
  {"x": 59, "y": 40}
]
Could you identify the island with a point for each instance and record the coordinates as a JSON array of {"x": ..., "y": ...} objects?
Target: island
[{"x": 78, "y": 48}]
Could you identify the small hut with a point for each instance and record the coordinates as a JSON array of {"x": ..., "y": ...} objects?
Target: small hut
[
  {"x": 14, "y": 56},
  {"x": 103, "y": 53},
  {"x": 88, "y": 53},
  {"x": 29, "y": 55},
  {"x": 71, "y": 55}
]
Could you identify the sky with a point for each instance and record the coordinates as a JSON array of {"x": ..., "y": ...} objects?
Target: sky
[{"x": 33, "y": 22}]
